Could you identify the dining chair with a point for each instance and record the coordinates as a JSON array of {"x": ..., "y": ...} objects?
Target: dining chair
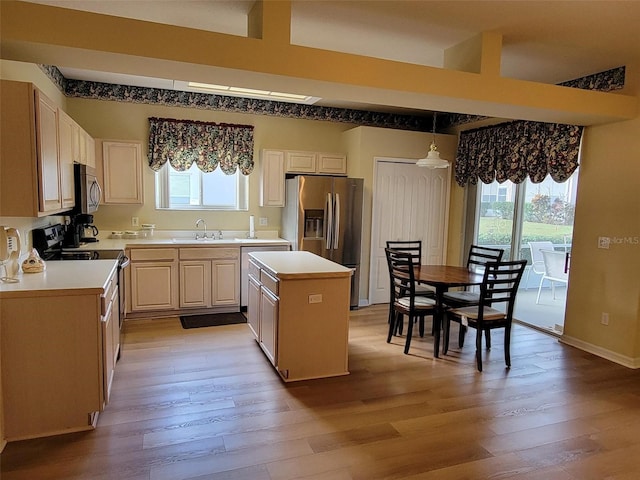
[
  {"x": 414, "y": 247},
  {"x": 478, "y": 257},
  {"x": 554, "y": 271},
  {"x": 499, "y": 285},
  {"x": 404, "y": 300}
]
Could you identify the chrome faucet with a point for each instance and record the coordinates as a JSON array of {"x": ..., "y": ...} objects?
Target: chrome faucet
[{"x": 198, "y": 222}]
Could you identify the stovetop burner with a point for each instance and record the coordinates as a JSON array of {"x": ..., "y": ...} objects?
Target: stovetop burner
[{"x": 48, "y": 241}]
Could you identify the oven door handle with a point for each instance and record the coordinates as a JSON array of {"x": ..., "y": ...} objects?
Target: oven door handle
[{"x": 124, "y": 262}]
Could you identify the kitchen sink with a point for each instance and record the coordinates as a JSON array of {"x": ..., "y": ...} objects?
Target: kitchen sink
[{"x": 200, "y": 240}]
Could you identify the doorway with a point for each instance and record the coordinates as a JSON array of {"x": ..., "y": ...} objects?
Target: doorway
[
  {"x": 409, "y": 203},
  {"x": 526, "y": 220}
]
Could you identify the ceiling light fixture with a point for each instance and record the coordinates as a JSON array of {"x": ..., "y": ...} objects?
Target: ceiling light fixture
[
  {"x": 245, "y": 92},
  {"x": 433, "y": 160}
]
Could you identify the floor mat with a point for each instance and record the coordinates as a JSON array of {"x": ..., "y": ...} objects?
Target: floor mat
[{"x": 212, "y": 320}]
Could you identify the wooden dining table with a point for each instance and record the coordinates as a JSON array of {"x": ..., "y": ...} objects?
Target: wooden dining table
[{"x": 443, "y": 277}]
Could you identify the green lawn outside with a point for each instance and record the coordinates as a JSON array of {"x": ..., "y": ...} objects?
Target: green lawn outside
[{"x": 497, "y": 231}]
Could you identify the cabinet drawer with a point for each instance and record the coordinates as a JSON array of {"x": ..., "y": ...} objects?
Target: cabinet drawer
[
  {"x": 142, "y": 254},
  {"x": 107, "y": 297},
  {"x": 254, "y": 270},
  {"x": 269, "y": 282},
  {"x": 209, "y": 253}
]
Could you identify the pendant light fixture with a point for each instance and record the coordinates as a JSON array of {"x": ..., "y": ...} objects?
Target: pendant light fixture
[{"x": 433, "y": 160}]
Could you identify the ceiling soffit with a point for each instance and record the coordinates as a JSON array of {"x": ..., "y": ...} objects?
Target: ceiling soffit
[{"x": 272, "y": 63}]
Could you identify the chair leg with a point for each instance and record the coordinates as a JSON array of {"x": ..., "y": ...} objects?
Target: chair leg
[
  {"x": 409, "y": 332},
  {"x": 507, "y": 345},
  {"x": 392, "y": 326},
  {"x": 479, "y": 349},
  {"x": 539, "y": 289},
  {"x": 421, "y": 326},
  {"x": 445, "y": 331},
  {"x": 461, "y": 335},
  {"x": 487, "y": 336}
]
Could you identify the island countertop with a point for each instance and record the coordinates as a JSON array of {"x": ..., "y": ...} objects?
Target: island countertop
[
  {"x": 70, "y": 277},
  {"x": 300, "y": 265}
]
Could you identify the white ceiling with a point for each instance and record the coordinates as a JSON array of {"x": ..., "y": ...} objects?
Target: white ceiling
[{"x": 543, "y": 41}]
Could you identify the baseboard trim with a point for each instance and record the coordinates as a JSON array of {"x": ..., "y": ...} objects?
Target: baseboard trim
[{"x": 612, "y": 356}]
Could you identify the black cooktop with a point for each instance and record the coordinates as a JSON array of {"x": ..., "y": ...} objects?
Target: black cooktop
[{"x": 49, "y": 241}]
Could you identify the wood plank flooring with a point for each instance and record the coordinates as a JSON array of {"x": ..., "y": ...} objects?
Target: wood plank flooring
[{"x": 206, "y": 404}]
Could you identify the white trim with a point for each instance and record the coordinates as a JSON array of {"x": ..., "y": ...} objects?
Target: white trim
[{"x": 612, "y": 356}]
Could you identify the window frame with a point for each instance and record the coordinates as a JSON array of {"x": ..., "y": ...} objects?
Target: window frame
[{"x": 163, "y": 202}]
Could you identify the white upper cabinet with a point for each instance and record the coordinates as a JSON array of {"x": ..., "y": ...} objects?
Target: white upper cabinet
[{"x": 121, "y": 168}]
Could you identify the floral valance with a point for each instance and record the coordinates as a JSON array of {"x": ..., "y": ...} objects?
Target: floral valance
[
  {"x": 183, "y": 142},
  {"x": 517, "y": 150}
]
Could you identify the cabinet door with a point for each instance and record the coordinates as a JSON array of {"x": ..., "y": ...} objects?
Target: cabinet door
[
  {"x": 332, "y": 164},
  {"x": 108, "y": 360},
  {"x": 300, "y": 162},
  {"x": 65, "y": 144},
  {"x": 272, "y": 179},
  {"x": 90, "y": 154},
  {"x": 195, "y": 283},
  {"x": 115, "y": 327},
  {"x": 154, "y": 286},
  {"x": 253, "y": 307},
  {"x": 269, "y": 324},
  {"x": 47, "y": 151},
  {"x": 122, "y": 172},
  {"x": 226, "y": 282}
]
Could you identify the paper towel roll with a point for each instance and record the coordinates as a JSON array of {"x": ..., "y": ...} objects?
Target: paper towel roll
[{"x": 252, "y": 230}]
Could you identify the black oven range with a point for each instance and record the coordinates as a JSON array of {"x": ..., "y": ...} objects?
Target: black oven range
[{"x": 49, "y": 241}]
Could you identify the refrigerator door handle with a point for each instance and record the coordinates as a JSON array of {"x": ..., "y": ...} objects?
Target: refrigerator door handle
[
  {"x": 336, "y": 226},
  {"x": 328, "y": 215}
]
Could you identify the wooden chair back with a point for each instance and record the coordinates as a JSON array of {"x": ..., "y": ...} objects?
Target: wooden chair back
[
  {"x": 500, "y": 285},
  {"x": 479, "y": 256}
]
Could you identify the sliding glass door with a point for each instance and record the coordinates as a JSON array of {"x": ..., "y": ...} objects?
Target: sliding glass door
[{"x": 533, "y": 222}]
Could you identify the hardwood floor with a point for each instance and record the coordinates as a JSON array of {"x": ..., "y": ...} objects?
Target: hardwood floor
[{"x": 206, "y": 404}]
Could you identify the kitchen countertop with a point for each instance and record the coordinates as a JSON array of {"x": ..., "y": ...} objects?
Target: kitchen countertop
[
  {"x": 121, "y": 244},
  {"x": 68, "y": 277},
  {"x": 300, "y": 265}
]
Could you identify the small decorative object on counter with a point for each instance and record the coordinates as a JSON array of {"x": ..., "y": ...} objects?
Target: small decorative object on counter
[
  {"x": 33, "y": 263},
  {"x": 148, "y": 228}
]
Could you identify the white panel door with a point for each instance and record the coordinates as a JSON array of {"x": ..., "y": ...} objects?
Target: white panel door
[{"x": 409, "y": 203}]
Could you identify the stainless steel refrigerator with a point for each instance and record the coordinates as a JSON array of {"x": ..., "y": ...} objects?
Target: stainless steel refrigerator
[{"x": 323, "y": 215}]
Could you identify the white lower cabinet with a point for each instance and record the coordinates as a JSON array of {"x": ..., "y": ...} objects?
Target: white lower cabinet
[
  {"x": 183, "y": 279},
  {"x": 209, "y": 277},
  {"x": 253, "y": 306},
  {"x": 269, "y": 324},
  {"x": 110, "y": 321},
  {"x": 154, "y": 279},
  {"x": 62, "y": 351}
]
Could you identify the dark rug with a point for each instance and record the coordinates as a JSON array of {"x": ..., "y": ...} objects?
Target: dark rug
[{"x": 212, "y": 320}]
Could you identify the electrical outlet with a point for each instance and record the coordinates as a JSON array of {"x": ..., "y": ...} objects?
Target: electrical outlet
[
  {"x": 135, "y": 221},
  {"x": 605, "y": 318},
  {"x": 263, "y": 221},
  {"x": 315, "y": 298}
]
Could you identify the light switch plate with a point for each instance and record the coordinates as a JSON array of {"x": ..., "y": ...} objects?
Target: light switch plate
[{"x": 315, "y": 298}]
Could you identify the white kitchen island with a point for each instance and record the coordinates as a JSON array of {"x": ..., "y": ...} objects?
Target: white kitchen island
[{"x": 299, "y": 313}]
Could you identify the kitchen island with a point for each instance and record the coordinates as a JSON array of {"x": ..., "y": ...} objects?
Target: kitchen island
[{"x": 299, "y": 313}]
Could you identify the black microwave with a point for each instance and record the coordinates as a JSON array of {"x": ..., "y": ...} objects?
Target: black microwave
[{"x": 87, "y": 188}]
